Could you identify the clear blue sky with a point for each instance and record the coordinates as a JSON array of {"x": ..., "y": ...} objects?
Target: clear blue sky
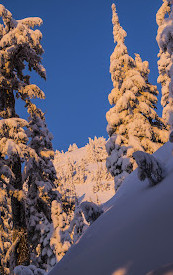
[{"x": 78, "y": 42}]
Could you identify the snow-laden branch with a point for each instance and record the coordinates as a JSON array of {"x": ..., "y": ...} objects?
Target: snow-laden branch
[{"x": 149, "y": 167}]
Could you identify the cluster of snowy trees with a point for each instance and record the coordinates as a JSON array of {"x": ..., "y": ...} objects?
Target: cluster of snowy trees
[
  {"x": 70, "y": 171},
  {"x": 96, "y": 151},
  {"x": 102, "y": 179},
  {"x": 40, "y": 215},
  {"x": 133, "y": 124},
  {"x": 89, "y": 167}
]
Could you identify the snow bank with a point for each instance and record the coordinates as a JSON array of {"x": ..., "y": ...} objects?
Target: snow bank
[{"x": 133, "y": 236}]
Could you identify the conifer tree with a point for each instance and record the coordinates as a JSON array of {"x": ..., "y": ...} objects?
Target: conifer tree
[
  {"x": 18, "y": 44},
  {"x": 149, "y": 167},
  {"x": 133, "y": 123},
  {"x": 61, "y": 240},
  {"x": 164, "y": 20},
  {"x": 25, "y": 144},
  {"x": 96, "y": 149},
  {"x": 82, "y": 171},
  {"x": 72, "y": 147},
  {"x": 41, "y": 193}
]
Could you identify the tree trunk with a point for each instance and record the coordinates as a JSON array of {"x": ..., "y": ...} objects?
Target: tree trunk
[
  {"x": 21, "y": 251},
  {"x": 10, "y": 104}
]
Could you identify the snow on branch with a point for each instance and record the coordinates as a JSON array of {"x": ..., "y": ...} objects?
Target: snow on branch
[
  {"x": 148, "y": 167},
  {"x": 32, "y": 91},
  {"x": 28, "y": 270},
  {"x": 91, "y": 211},
  {"x": 31, "y": 21}
]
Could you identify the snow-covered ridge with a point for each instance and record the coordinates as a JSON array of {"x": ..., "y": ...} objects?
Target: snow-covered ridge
[{"x": 134, "y": 235}]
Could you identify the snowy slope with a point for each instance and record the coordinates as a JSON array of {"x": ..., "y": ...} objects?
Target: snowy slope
[{"x": 135, "y": 234}]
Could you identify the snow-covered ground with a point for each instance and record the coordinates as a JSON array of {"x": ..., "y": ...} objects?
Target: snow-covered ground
[
  {"x": 135, "y": 234},
  {"x": 85, "y": 192}
]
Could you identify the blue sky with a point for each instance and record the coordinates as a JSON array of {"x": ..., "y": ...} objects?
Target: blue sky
[{"x": 78, "y": 42}]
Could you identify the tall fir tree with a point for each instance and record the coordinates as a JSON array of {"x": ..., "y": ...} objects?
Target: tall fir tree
[
  {"x": 164, "y": 20},
  {"x": 40, "y": 177},
  {"x": 26, "y": 168},
  {"x": 18, "y": 43},
  {"x": 133, "y": 123}
]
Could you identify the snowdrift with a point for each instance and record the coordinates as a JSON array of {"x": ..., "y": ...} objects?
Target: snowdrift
[{"x": 135, "y": 234}]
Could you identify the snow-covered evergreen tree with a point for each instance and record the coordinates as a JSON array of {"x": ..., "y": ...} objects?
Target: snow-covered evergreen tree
[
  {"x": 101, "y": 178},
  {"x": 28, "y": 270},
  {"x": 91, "y": 211},
  {"x": 164, "y": 20},
  {"x": 96, "y": 149},
  {"x": 61, "y": 240},
  {"x": 72, "y": 147},
  {"x": 69, "y": 224},
  {"x": 41, "y": 192},
  {"x": 98, "y": 180},
  {"x": 81, "y": 172},
  {"x": 77, "y": 224},
  {"x": 149, "y": 167},
  {"x": 133, "y": 123},
  {"x": 25, "y": 145},
  {"x": 19, "y": 45}
]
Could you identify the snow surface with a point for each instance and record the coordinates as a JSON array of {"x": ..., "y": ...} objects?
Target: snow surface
[
  {"x": 85, "y": 192},
  {"x": 135, "y": 234}
]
